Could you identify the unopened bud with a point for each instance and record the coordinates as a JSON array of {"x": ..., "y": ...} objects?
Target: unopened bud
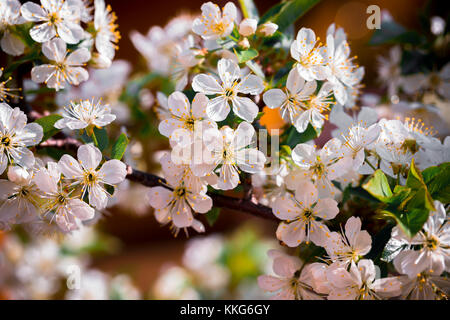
[
  {"x": 248, "y": 27},
  {"x": 244, "y": 43},
  {"x": 268, "y": 28}
]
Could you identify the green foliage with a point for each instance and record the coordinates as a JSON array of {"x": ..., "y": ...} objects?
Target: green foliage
[
  {"x": 100, "y": 137},
  {"x": 378, "y": 186},
  {"x": 245, "y": 55},
  {"x": 437, "y": 179},
  {"x": 212, "y": 216},
  {"x": 286, "y": 13},
  {"x": 48, "y": 125},
  {"x": 293, "y": 137},
  {"x": 392, "y": 33},
  {"x": 119, "y": 147},
  {"x": 409, "y": 205}
]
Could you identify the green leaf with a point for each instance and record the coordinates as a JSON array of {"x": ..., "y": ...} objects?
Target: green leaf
[
  {"x": 212, "y": 216},
  {"x": 271, "y": 13},
  {"x": 291, "y": 11},
  {"x": 437, "y": 179},
  {"x": 119, "y": 147},
  {"x": 249, "y": 9},
  {"x": 415, "y": 181},
  {"x": 391, "y": 33},
  {"x": 294, "y": 137},
  {"x": 378, "y": 186},
  {"x": 245, "y": 55},
  {"x": 411, "y": 221},
  {"x": 48, "y": 125},
  {"x": 102, "y": 138}
]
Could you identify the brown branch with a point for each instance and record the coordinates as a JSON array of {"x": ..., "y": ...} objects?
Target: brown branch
[{"x": 250, "y": 206}]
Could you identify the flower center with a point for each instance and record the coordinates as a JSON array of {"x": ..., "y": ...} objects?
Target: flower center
[
  {"x": 189, "y": 123},
  {"x": 432, "y": 243},
  {"x": 54, "y": 18},
  {"x": 90, "y": 178},
  {"x": 318, "y": 168},
  {"x": 180, "y": 192},
  {"x": 5, "y": 141},
  {"x": 61, "y": 199},
  {"x": 229, "y": 93}
]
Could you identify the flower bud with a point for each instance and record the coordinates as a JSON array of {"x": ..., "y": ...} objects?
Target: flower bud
[
  {"x": 268, "y": 28},
  {"x": 248, "y": 27},
  {"x": 244, "y": 43}
]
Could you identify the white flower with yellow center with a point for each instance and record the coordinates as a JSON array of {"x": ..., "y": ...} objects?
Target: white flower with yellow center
[
  {"x": 351, "y": 245},
  {"x": 359, "y": 282},
  {"x": 9, "y": 17},
  {"x": 85, "y": 113},
  {"x": 66, "y": 209},
  {"x": 55, "y": 18},
  {"x": 291, "y": 280},
  {"x": 321, "y": 166},
  {"x": 304, "y": 215},
  {"x": 293, "y": 100},
  {"x": 15, "y": 136},
  {"x": 84, "y": 172},
  {"x": 106, "y": 35},
  {"x": 19, "y": 196},
  {"x": 310, "y": 59},
  {"x": 233, "y": 150},
  {"x": 213, "y": 24},
  {"x": 227, "y": 92},
  {"x": 185, "y": 118},
  {"x": 65, "y": 67},
  {"x": 176, "y": 205}
]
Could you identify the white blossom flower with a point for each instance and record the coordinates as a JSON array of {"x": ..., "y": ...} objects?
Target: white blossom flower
[
  {"x": 422, "y": 286},
  {"x": 360, "y": 283},
  {"x": 350, "y": 246},
  {"x": 304, "y": 214},
  {"x": 309, "y": 57},
  {"x": 185, "y": 118},
  {"x": 288, "y": 282},
  {"x": 213, "y": 24},
  {"x": 247, "y": 27},
  {"x": 389, "y": 71},
  {"x": 359, "y": 137},
  {"x": 65, "y": 67},
  {"x": 85, "y": 9},
  {"x": 19, "y": 196},
  {"x": 234, "y": 150},
  {"x": 293, "y": 100},
  {"x": 66, "y": 209},
  {"x": 176, "y": 205},
  {"x": 227, "y": 92},
  {"x": 15, "y": 136},
  {"x": 366, "y": 116},
  {"x": 55, "y": 18},
  {"x": 174, "y": 173},
  {"x": 85, "y": 173},
  {"x": 341, "y": 72},
  {"x": 106, "y": 35},
  {"x": 434, "y": 243},
  {"x": 185, "y": 58},
  {"x": 85, "y": 113},
  {"x": 322, "y": 166},
  {"x": 160, "y": 45},
  {"x": 9, "y": 17},
  {"x": 268, "y": 28}
]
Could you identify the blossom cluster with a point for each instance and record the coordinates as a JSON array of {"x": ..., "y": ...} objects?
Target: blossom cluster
[{"x": 217, "y": 76}]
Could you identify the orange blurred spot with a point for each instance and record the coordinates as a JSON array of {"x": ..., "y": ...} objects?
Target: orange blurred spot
[{"x": 272, "y": 120}]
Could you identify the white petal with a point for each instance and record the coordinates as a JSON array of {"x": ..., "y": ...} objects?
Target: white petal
[
  {"x": 113, "y": 171},
  {"x": 245, "y": 108},
  {"x": 251, "y": 84},
  {"x": 179, "y": 104},
  {"x": 89, "y": 156},
  {"x": 42, "y": 32},
  {"x": 11, "y": 44},
  {"x": 70, "y": 167},
  {"x": 159, "y": 197},
  {"x": 218, "y": 109},
  {"x": 33, "y": 12},
  {"x": 206, "y": 84},
  {"x": 81, "y": 209},
  {"x": 274, "y": 98},
  {"x": 200, "y": 203}
]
